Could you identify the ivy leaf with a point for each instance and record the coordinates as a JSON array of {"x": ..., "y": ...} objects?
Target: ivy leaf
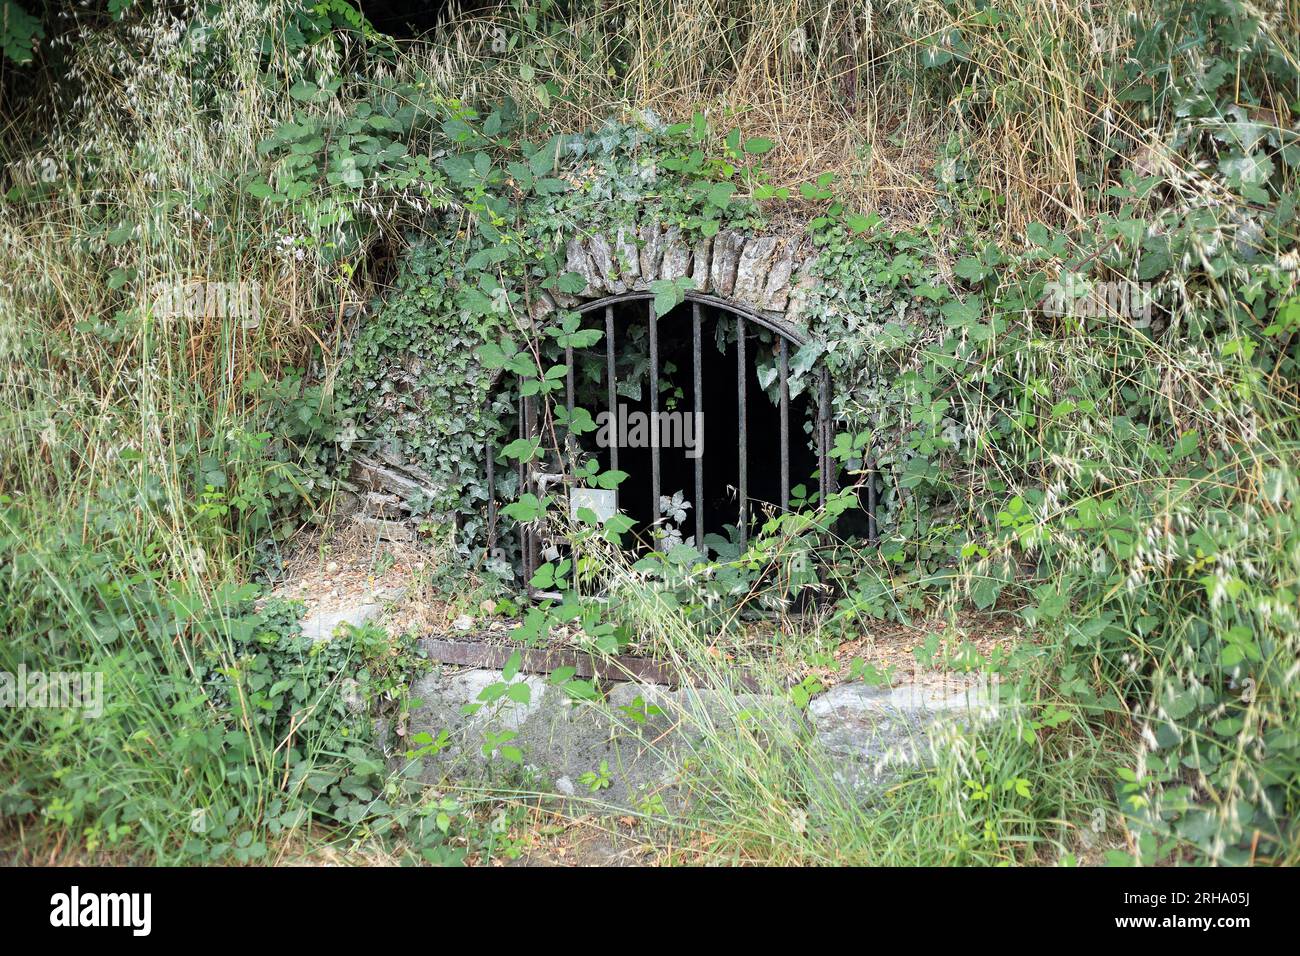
[
  {"x": 18, "y": 33},
  {"x": 512, "y": 666},
  {"x": 720, "y": 194},
  {"x": 571, "y": 283},
  {"x": 859, "y": 222},
  {"x": 543, "y": 160},
  {"x": 523, "y": 449},
  {"x": 1152, "y": 265},
  {"x": 609, "y": 480},
  {"x": 493, "y": 356},
  {"x": 580, "y": 690},
  {"x": 579, "y": 423},
  {"x": 971, "y": 269},
  {"x": 459, "y": 170},
  {"x": 670, "y": 293},
  {"x": 959, "y": 314},
  {"x": 620, "y": 523},
  {"x": 1186, "y": 444},
  {"x": 528, "y": 508}
]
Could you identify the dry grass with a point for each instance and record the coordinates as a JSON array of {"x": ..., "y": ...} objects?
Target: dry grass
[{"x": 840, "y": 85}]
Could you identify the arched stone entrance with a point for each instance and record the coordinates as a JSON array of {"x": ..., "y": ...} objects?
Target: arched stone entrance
[{"x": 756, "y": 450}]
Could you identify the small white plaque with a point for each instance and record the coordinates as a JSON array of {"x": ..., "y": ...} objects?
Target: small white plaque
[{"x": 603, "y": 503}]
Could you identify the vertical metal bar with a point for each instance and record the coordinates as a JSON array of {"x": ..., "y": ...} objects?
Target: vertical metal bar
[
  {"x": 823, "y": 439},
  {"x": 568, "y": 375},
  {"x": 534, "y": 539},
  {"x": 699, "y": 428},
  {"x": 654, "y": 415},
  {"x": 609, "y": 380},
  {"x": 832, "y": 469},
  {"x": 742, "y": 483},
  {"x": 525, "y": 552},
  {"x": 870, "y": 464},
  {"x": 519, "y": 467},
  {"x": 492, "y": 497},
  {"x": 785, "y": 425},
  {"x": 570, "y": 444}
]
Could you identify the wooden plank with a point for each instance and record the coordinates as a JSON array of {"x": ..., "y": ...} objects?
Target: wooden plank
[{"x": 615, "y": 667}]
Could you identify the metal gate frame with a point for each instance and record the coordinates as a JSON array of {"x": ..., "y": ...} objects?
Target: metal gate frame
[{"x": 787, "y": 334}]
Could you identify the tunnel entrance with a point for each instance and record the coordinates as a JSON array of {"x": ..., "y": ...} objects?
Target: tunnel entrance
[
  {"x": 710, "y": 435},
  {"x": 710, "y": 411}
]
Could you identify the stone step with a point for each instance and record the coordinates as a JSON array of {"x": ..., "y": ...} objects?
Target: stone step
[{"x": 860, "y": 737}]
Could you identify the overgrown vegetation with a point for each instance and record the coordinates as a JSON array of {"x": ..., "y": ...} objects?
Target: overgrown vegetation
[{"x": 1121, "y": 478}]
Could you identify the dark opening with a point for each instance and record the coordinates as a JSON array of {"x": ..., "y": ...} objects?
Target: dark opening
[
  {"x": 720, "y": 391},
  {"x": 411, "y": 18}
]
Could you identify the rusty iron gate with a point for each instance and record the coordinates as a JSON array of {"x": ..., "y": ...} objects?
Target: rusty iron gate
[{"x": 531, "y": 480}]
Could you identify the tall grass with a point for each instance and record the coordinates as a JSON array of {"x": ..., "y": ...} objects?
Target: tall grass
[
  {"x": 841, "y": 86},
  {"x": 114, "y": 420}
]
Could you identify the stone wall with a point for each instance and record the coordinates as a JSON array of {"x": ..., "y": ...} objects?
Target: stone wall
[
  {"x": 769, "y": 274},
  {"x": 860, "y": 738}
]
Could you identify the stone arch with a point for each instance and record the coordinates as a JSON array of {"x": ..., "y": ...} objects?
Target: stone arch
[{"x": 768, "y": 275}]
